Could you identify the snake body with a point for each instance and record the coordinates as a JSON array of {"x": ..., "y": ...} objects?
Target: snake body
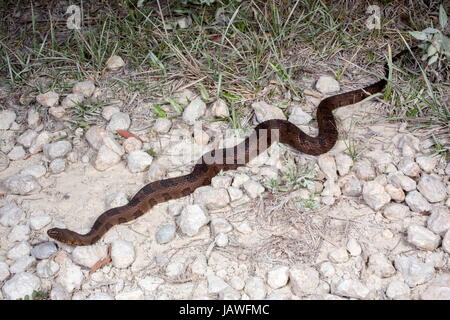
[{"x": 230, "y": 159}]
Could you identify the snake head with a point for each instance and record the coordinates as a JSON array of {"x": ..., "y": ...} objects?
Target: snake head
[
  {"x": 70, "y": 237},
  {"x": 55, "y": 233}
]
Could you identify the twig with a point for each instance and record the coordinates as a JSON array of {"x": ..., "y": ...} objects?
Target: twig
[{"x": 101, "y": 262}]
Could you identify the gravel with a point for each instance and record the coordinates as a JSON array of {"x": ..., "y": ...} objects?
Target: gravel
[{"x": 394, "y": 184}]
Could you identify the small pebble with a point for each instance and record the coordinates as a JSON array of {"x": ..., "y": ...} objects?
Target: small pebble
[
  {"x": 255, "y": 288},
  {"x": 122, "y": 253},
  {"x": 86, "y": 88},
  {"x": 44, "y": 250},
  {"x": 327, "y": 84},
  {"x": 278, "y": 277},
  {"x": 7, "y": 118},
  {"x": 397, "y": 290},
  {"x": 353, "y": 247},
  {"x": 48, "y": 99},
  {"x": 339, "y": 255},
  {"x": 16, "y": 153},
  {"x": 192, "y": 218},
  {"x": 115, "y": 63},
  {"x": 165, "y": 234},
  {"x": 19, "y": 233},
  {"x": 422, "y": 238},
  {"x": 119, "y": 121},
  {"x": 138, "y": 161},
  {"x": 221, "y": 240},
  {"x": 57, "y": 166}
]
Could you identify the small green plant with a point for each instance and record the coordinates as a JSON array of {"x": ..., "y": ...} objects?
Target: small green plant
[
  {"x": 199, "y": 2},
  {"x": 160, "y": 113},
  {"x": 234, "y": 118},
  {"x": 204, "y": 93},
  {"x": 352, "y": 149},
  {"x": 293, "y": 177},
  {"x": 37, "y": 295},
  {"x": 151, "y": 152},
  {"x": 440, "y": 149},
  {"x": 299, "y": 177},
  {"x": 307, "y": 204},
  {"x": 85, "y": 114},
  {"x": 274, "y": 186},
  {"x": 436, "y": 44},
  {"x": 177, "y": 107}
]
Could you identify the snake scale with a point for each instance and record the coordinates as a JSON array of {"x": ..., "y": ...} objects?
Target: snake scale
[{"x": 231, "y": 158}]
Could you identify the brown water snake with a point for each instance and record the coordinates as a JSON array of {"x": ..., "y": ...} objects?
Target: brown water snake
[{"x": 173, "y": 188}]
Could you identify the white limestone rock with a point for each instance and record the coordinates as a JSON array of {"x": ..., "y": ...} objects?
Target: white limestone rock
[
  {"x": 192, "y": 218},
  {"x": 432, "y": 188},
  {"x": 11, "y": 215},
  {"x": 122, "y": 253},
  {"x": 194, "y": 111},
  {"x": 413, "y": 270},
  {"x": 380, "y": 265},
  {"x": 138, "y": 161},
  {"x": 352, "y": 289},
  {"x": 398, "y": 290},
  {"x": 20, "y": 285},
  {"x": 57, "y": 149},
  {"x": 304, "y": 280},
  {"x": 85, "y": 88},
  {"x": 327, "y": 84},
  {"x": 119, "y": 121},
  {"x": 375, "y": 195},
  {"x": 278, "y": 277},
  {"x": 7, "y": 118},
  {"x": 106, "y": 158},
  {"x": 211, "y": 198},
  {"x": 88, "y": 256},
  {"x": 423, "y": 238},
  {"x": 255, "y": 288},
  {"x": 265, "y": 111},
  {"x": 48, "y": 99},
  {"x": 115, "y": 63},
  {"x": 439, "y": 220}
]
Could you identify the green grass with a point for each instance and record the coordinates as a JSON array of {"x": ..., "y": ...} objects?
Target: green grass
[
  {"x": 293, "y": 177},
  {"x": 152, "y": 152},
  {"x": 85, "y": 114},
  {"x": 414, "y": 98},
  {"x": 307, "y": 204},
  {"x": 263, "y": 43},
  {"x": 353, "y": 149}
]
